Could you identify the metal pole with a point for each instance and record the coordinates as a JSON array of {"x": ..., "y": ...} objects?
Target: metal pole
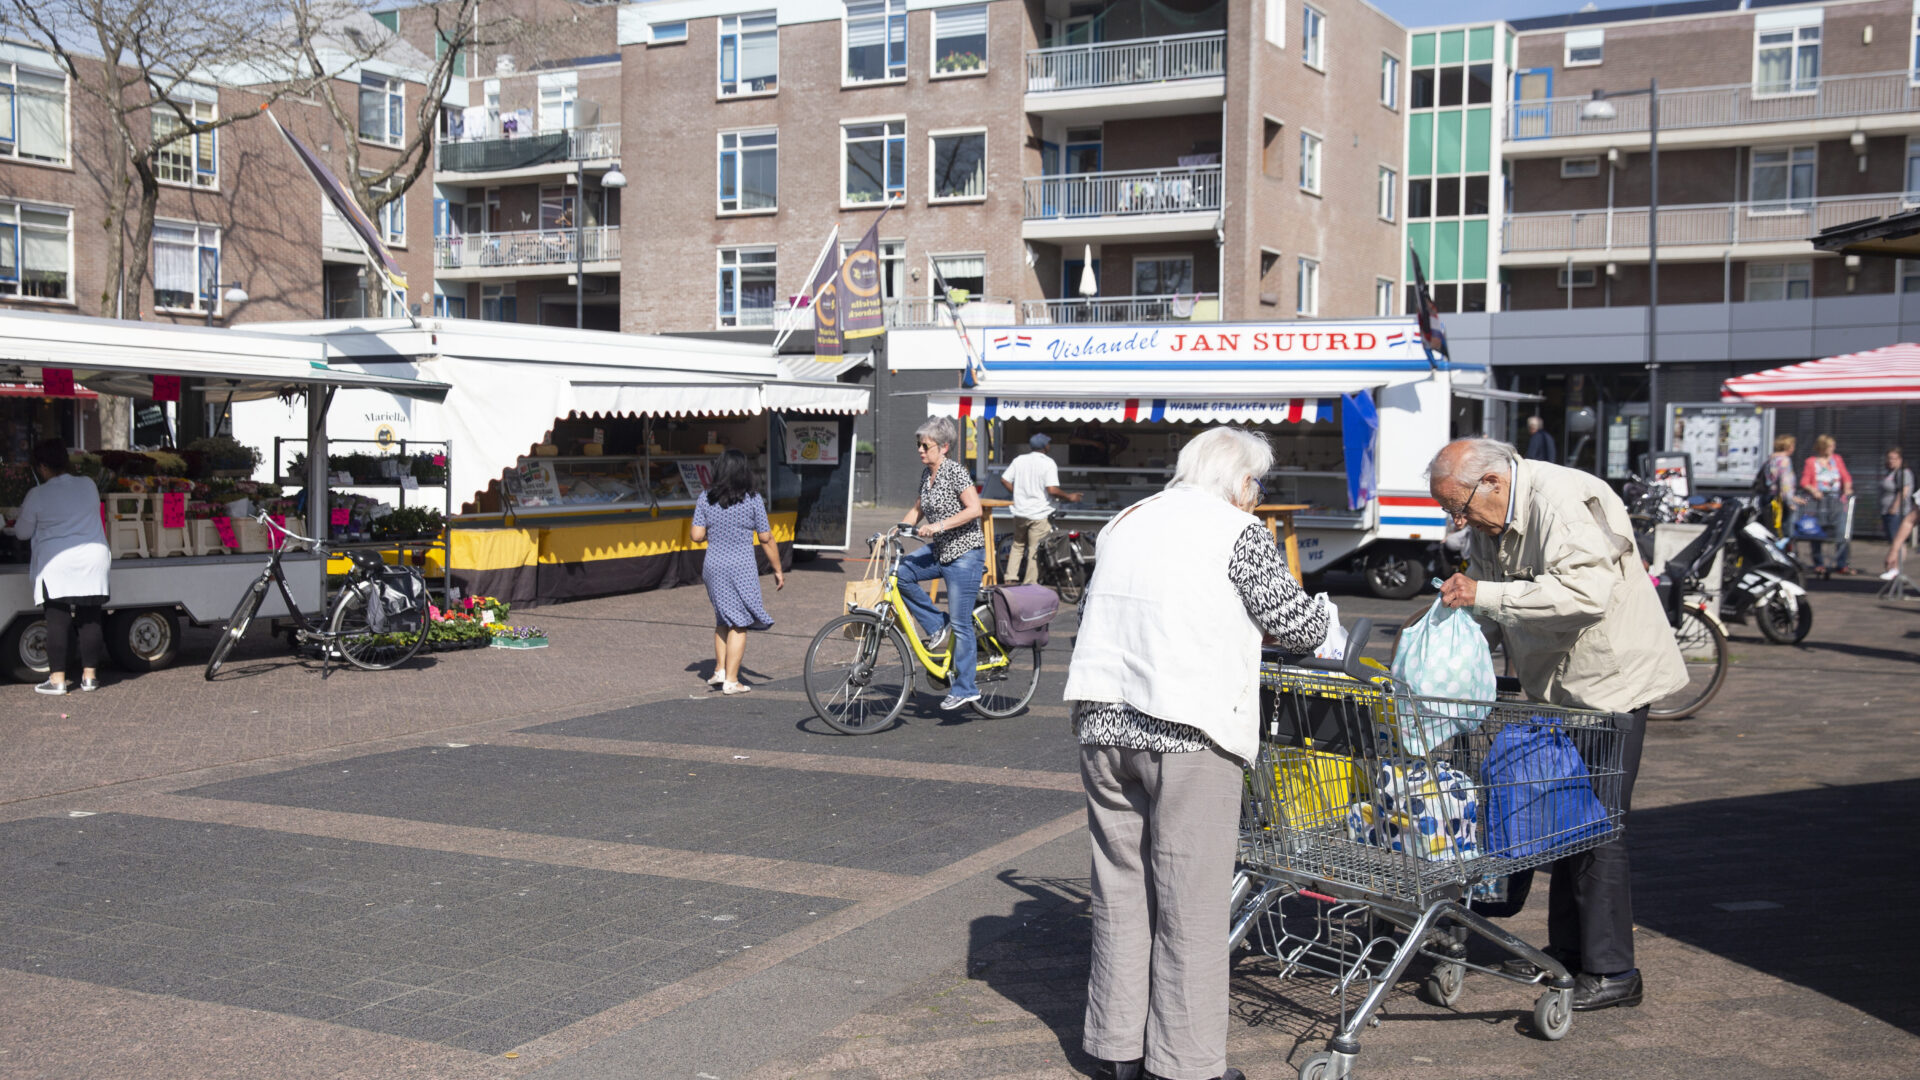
[
  {"x": 579, "y": 244},
  {"x": 1657, "y": 432}
]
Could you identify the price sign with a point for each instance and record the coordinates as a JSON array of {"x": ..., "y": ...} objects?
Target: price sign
[
  {"x": 224, "y": 526},
  {"x": 410, "y": 483},
  {"x": 57, "y": 382},
  {"x": 173, "y": 510},
  {"x": 340, "y": 515},
  {"x": 166, "y": 388},
  {"x": 696, "y": 475}
]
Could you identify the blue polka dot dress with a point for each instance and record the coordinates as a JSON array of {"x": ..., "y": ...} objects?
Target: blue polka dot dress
[{"x": 732, "y": 576}]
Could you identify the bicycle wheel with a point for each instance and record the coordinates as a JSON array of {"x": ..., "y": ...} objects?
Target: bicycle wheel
[
  {"x": 1005, "y": 688},
  {"x": 236, "y": 627},
  {"x": 858, "y": 674},
  {"x": 1704, "y": 648},
  {"x": 1779, "y": 624},
  {"x": 361, "y": 645},
  {"x": 1069, "y": 582}
]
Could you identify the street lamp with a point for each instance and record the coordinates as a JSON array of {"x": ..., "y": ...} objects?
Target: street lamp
[
  {"x": 1599, "y": 108},
  {"x": 613, "y": 178},
  {"x": 234, "y": 295}
]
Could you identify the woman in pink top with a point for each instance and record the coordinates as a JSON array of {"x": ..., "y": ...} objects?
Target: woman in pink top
[{"x": 1825, "y": 478}]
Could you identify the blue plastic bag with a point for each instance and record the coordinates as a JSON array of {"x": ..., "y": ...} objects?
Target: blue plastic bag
[
  {"x": 1538, "y": 793},
  {"x": 1807, "y": 527},
  {"x": 1444, "y": 655}
]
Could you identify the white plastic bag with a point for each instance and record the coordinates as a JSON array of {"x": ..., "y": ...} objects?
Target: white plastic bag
[
  {"x": 1444, "y": 655},
  {"x": 1335, "y": 647}
]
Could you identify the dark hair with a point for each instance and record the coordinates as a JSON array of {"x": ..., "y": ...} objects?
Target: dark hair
[
  {"x": 732, "y": 480},
  {"x": 51, "y": 455}
]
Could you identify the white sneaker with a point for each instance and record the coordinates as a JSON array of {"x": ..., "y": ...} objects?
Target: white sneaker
[
  {"x": 719, "y": 679},
  {"x": 735, "y": 688},
  {"x": 1891, "y": 574}
]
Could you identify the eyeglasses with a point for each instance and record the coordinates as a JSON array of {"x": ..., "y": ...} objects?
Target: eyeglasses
[
  {"x": 1461, "y": 514},
  {"x": 928, "y": 446},
  {"x": 1259, "y": 491}
]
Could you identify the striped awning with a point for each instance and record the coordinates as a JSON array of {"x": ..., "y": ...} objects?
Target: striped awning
[
  {"x": 1889, "y": 374},
  {"x": 1249, "y": 410}
]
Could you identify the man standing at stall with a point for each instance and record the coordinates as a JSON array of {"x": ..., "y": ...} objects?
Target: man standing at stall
[
  {"x": 1034, "y": 480},
  {"x": 1551, "y": 566}
]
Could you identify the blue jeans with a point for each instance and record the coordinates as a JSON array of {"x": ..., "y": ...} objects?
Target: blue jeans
[{"x": 962, "y": 576}]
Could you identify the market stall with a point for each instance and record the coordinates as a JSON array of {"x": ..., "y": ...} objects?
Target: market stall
[{"x": 575, "y": 457}]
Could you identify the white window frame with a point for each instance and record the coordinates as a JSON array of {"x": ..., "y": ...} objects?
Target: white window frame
[
  {"x": 731, "y": 26},
  {"x": 933, "y": 161},
  {"x": 206, "y": 292},
  {"x": 933, "y": 44},
  {"x": 724, "y": 319},
  {"x": 886, "y": 191},
  {"x": 1912, "y": 179},
  {"x": 10, "y": 90},
  {"x": 1913, "y": 53},
  {"x": 893, "y": 265},
  {"x": 189, "y": 147},
  {"x": 1388, "y": 195},
  {"x": 1791, "y": 203},
  {"x": 12, "y": 214},
  {"x": 1306, "y": 286},
  {"x": 1312, "y": 152},
  {"x": 560, "y": 91},
  {"x": 1582, "y": 277},
  {"x": 1575, "y": 168},
  {"x": 1786, "y": 279},
  {"x": 498, "y": 295},
  {"x": 739, "y": 150},
  {"x": 1581, "y": 41},
  {"x": 1803, "y": 29},
  {"x": 666, "y": 33},
  {"x": 1384, "y": 292},
  {"x": 1277, "y": 23},
  {"x": 1162, "y": 257},
  {"x": 936, "y": 257},
  {"x": 395, "y": 91},
  {"x": 392, "y": 218},
  {"x": 891, "y": 11},
  {"x": 1390, "y": 81},
  {"x": 1313, "y": 37}
]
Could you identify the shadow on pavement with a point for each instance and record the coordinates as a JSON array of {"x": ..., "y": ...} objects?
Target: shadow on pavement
[{"x": 1036, "y": 955}]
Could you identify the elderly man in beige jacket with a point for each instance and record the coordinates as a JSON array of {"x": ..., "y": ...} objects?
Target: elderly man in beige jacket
[{"x": 1552, "y": 568}]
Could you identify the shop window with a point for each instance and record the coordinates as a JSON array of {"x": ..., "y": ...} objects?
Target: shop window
[
  {"x": 1390, "y": 81},
  {"x": 1779, "y": 281},
  {"x": 1786, "y": 59},
  {"x": 383, "y": 110},
  {"x": 1389, "y": 186},
  {"x": 186, "y": 267},
  {"x": 33, "y": 114},
  {"x": 1310, "y": 146},
  {"x": 1782, "y": 179},
  {"x": 1584, "y": 47},
  {"x": 959, "y": 166},
  {"x": 190, "y": 160},
  {"x": 747, "y": 286},
  {"x": 1383, "y": 290},
  {"x": 876, "y": 36},
  {"x": 749, "y": 53},
  {"x": 749, "y": 171},
  {"x": 1307, "y": 288},
  {"x": 959, "y": 40},
  {"x": 1313, "y": 37},
  {"x": 1162, "y": 275},
  {"x": 873, "y": 166},
  {"x": 36, "y": 252}
]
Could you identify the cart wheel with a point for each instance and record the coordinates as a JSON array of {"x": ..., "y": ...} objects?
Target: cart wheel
[
  {"x": 1321, "y": 1066},
  {"x": 1553, "y": 1014},
  {"x": 1444, "y": 983}
]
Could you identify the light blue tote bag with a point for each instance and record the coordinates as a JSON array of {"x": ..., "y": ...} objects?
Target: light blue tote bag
[{"x": 1444, "y": 655}]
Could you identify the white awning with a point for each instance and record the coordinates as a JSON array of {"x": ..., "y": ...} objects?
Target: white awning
[
  {"x": 1255, "y": 409},
  {"x": 817, "y": 397},
  {"x": 822, "y": 368},
  {"x": 1488, "y": 393},
  {"x": 594, "y": 400}
]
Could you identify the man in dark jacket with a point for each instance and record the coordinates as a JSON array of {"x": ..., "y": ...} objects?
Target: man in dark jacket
[{"x": 1540, "y": 445}]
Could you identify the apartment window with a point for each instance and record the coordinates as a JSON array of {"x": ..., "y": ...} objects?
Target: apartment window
[
  {"x": 1424, "y": 90},
  {"x": 1576, "y": 277},
  {"x": 1584, "y": 47},
  {"x": 1306, "y": 296},
  {"x": 1479, "y": 84},
  {"x": 1271, "y": 148},
  {"x": 186, "y": 267},
  {"x": 1419, "y": 199},
  {"x": 1779, "y": 281},
  {"x": 959, "y": 40},
  {"x": 559, "y": 97},
  {"x": 1162, "y": 275},
  {"x": 499, "y": 304},
  {"x": 1277, "y": 23},
  {"x": 873, "y": 162},
  {"x": 1782, "y": 179},
  {"x": 749, "y": 170},
  {"x": 963, "y": 274},
  {"x": 1576, "y": 168},
  {"x": 1383, "y": 290},
  {"x": 1913, "y": 171},
  {"x": 1310, "y": 163},
  {"x": 392, "y": 217},
  {"x": 667, "y": 33},
  {"x": 36, "y": 255},
  {"x": 876, "y": 34},
  {"x": 383, "y": 110},
  {"x": 1389, "y": 188},
  {"x": 1475, "y": 192},
  {"x": 449, "y": 307},
  {"x": 1269, "y": 259},
  {"x": 747, "y": 286},
  {"x": 749, "y": 54},
  {"x": 1786, "y": 60},
  {"x": 33, "y": 114},
  {"x": 192, "y": 160},
  {"x": 959, "y": 166},
  {"x": 1390, "y": 81},
  {"x": 1915, "y": 63},
  {"x": 1313, "y": 37}
]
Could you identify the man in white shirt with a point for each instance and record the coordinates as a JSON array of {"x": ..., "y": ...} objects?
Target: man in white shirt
[{"x": 1032, "y": 477}]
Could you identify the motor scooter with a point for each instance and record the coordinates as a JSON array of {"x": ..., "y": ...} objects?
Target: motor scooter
[{"x": 1761, "y": 578}]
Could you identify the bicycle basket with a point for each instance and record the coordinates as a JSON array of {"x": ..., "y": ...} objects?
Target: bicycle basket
[{"x": 396, "y": 600}]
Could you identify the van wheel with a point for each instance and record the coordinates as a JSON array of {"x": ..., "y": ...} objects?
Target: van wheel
[
  {"x": 145, "y": 640},
  {"x": 1396, "y": 575},
  {"x": 23, "y": 649}
]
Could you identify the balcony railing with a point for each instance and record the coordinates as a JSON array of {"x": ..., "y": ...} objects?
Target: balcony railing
[
  {"x": 913, "y": 311},
  {"x": 539, "y": 247},
  {"x": 1199, "y": 307},
  {"x": 1127, "y": 63},
  {"x": 1132, "y": 193},
  {"x": 1829, "y": 97},
  {"x": 1702, "y": 225},
  {"x": 598, "y": 143}
]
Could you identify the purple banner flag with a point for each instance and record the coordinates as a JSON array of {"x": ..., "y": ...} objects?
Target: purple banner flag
[
  {"x": 825, "y": 288},
  {"x": 863, "y": 308},
  {"x": 342, "y": 200}
]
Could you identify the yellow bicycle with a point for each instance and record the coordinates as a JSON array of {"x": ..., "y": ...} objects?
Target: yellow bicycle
[{"x": 860, "y": 667}]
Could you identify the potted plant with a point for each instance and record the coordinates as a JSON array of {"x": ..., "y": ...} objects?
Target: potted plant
[
  {"x": 224, "y": 455},
  {"x": 961, "y": 61}
]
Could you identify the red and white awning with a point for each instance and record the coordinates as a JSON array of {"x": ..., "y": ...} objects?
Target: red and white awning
[
  {"x": 1890, "y": 374},
  {"x": 1247, "y": 410}
]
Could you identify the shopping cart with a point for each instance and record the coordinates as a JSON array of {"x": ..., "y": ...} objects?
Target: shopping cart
[{"x": 1359, "y": 855}]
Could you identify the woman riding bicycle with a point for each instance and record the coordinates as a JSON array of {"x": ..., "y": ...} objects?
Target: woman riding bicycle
[{"x": 948, "y": 516}]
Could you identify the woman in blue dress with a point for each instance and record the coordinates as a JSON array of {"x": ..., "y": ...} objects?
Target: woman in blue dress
[{"x": 730, "y": 518}]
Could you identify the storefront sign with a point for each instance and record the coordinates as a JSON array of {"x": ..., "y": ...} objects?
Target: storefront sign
[
  {"x": 1132, "y": 347},
  {"x": 1250, "y": 410},
  {"x": 813, "y": 444},
  {"x": 533, "y": 484},
  {"x": 1726, "y": 443}
]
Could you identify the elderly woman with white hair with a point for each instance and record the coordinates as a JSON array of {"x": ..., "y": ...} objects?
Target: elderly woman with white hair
[
  {"x": 948, "y": 515},
  {"x": 1164, "y": 692}
]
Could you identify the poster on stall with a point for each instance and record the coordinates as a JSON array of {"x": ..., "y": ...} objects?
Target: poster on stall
[
  {"x": 696, "y": 477},
  {"x": 1726, "y": 443},
  {"x": 532, "y": 483},
  {"x": 813, "y": 443},
  {"x": 817, "y": 491}
]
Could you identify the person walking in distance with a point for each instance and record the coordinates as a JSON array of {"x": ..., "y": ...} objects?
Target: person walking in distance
[
  {"x": 1540, "y": 444},
  {"x": 730, "y": 517},
  {"x": 1896, "y": 493},
  {"x": 1034, "y": 480},
  {"x": 1825, "y": 476},
  {"x": 1552, "y": 568}
]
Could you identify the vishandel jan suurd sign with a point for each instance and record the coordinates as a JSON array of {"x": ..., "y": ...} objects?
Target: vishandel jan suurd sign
[{"x": 1123, "y": 345}]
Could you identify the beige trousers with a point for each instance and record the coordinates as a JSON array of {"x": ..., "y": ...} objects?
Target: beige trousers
[
  {"x": 1165, "y": 829},
  {"x": 1025, "y": 553}
]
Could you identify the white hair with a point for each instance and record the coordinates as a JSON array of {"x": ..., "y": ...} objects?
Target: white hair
[
  {"x": 1219, "y": 460},
  {"x": 1476, "y": 458},
  {"x": 940, "y": 429}
]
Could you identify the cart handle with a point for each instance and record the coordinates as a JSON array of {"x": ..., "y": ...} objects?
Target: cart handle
[{"x": 1350, "y": 664}]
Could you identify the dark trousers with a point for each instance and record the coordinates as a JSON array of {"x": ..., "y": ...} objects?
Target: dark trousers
[
  {"x": 63, "y": 619},
  {"x": 1590, "y": 902}
]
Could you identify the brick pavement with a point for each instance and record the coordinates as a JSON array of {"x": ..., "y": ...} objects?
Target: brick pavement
[{"x": 538, "y": 854}]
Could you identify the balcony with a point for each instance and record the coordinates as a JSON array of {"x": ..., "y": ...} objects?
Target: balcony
[
  {"x": 1115, "y": 80},
  {"x": 1160, "y": 204},
  {"x": 1200, "y": 307},
  {"x": 912, "y": 312},
  {"x": 478, "y": 256},
  {"x": 539, "y": 154},
  {"x": 1833, "y": 104},
  {"x": 1687, "y": 232}
]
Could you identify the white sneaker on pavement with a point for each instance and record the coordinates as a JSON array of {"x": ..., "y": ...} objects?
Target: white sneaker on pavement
[{"x": 735, "y": 688}]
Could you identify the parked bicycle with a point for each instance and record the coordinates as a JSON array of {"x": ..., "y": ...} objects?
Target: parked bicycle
[
  {"x": 378, "y": 619},
  {"x": 1065, "y": 558},
  {"x": 861, "y": 666}
]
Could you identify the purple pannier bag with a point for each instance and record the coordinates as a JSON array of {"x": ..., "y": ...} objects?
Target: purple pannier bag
[{"x": 1021, "y": 613}]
